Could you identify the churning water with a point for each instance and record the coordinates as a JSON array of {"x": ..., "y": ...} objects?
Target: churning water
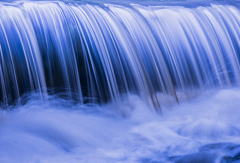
[
  {"x": 120, "y": 81},
  {"x": 204, "y": 129}
]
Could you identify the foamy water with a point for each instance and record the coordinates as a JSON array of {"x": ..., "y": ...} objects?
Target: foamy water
[{"x": 203, "y": 129}]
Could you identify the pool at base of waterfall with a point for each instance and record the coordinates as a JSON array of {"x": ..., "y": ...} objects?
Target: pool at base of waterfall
[{"x": 204, "y": 128}]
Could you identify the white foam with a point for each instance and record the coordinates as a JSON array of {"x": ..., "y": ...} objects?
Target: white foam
[{"x": 56, "y": 133}]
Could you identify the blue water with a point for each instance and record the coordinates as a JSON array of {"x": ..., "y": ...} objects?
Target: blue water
[
  {"x": 108, "y": 81},
  {"x": 102, "y": 52},
  {"x": 203, "y": 128}
]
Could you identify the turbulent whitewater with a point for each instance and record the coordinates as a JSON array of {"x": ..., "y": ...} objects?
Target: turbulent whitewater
[{"x": 120, "y": 81}]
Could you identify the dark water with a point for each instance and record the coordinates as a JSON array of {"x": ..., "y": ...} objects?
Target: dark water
[
  {"x": 108, "y": 81},
  {"x": 102, "y": 52}
]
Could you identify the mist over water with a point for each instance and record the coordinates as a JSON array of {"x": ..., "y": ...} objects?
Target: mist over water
[
  {"x": 108, "y": 81},
  {"x": 201, "y": 129}
]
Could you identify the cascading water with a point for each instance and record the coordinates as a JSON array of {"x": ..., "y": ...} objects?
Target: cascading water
[{"x": 72, "y": 69}]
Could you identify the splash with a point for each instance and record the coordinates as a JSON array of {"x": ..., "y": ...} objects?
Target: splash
[
  {"x": 87, "y": 82},
  {"x": 203, "y": 129}
]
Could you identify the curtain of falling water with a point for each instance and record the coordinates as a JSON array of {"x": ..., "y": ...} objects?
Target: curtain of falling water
[{"x": 96, "y": 53}]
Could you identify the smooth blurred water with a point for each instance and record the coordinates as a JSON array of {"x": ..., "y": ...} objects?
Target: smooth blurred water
[
  {"x": 201, "y": 129},
  {"x": 102, "y": 52},
  {"x": 116, "y": 81}
]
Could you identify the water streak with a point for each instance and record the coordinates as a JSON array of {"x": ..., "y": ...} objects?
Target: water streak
[{"x": 102, "y": 52}]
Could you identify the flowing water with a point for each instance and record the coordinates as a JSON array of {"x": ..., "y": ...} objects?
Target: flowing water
[{"x": 112, "y": 81}]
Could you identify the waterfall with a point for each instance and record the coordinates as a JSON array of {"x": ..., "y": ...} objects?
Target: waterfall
[
  {"x": 102, "y": 52},
  {"x": 137, "y": 81}
]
